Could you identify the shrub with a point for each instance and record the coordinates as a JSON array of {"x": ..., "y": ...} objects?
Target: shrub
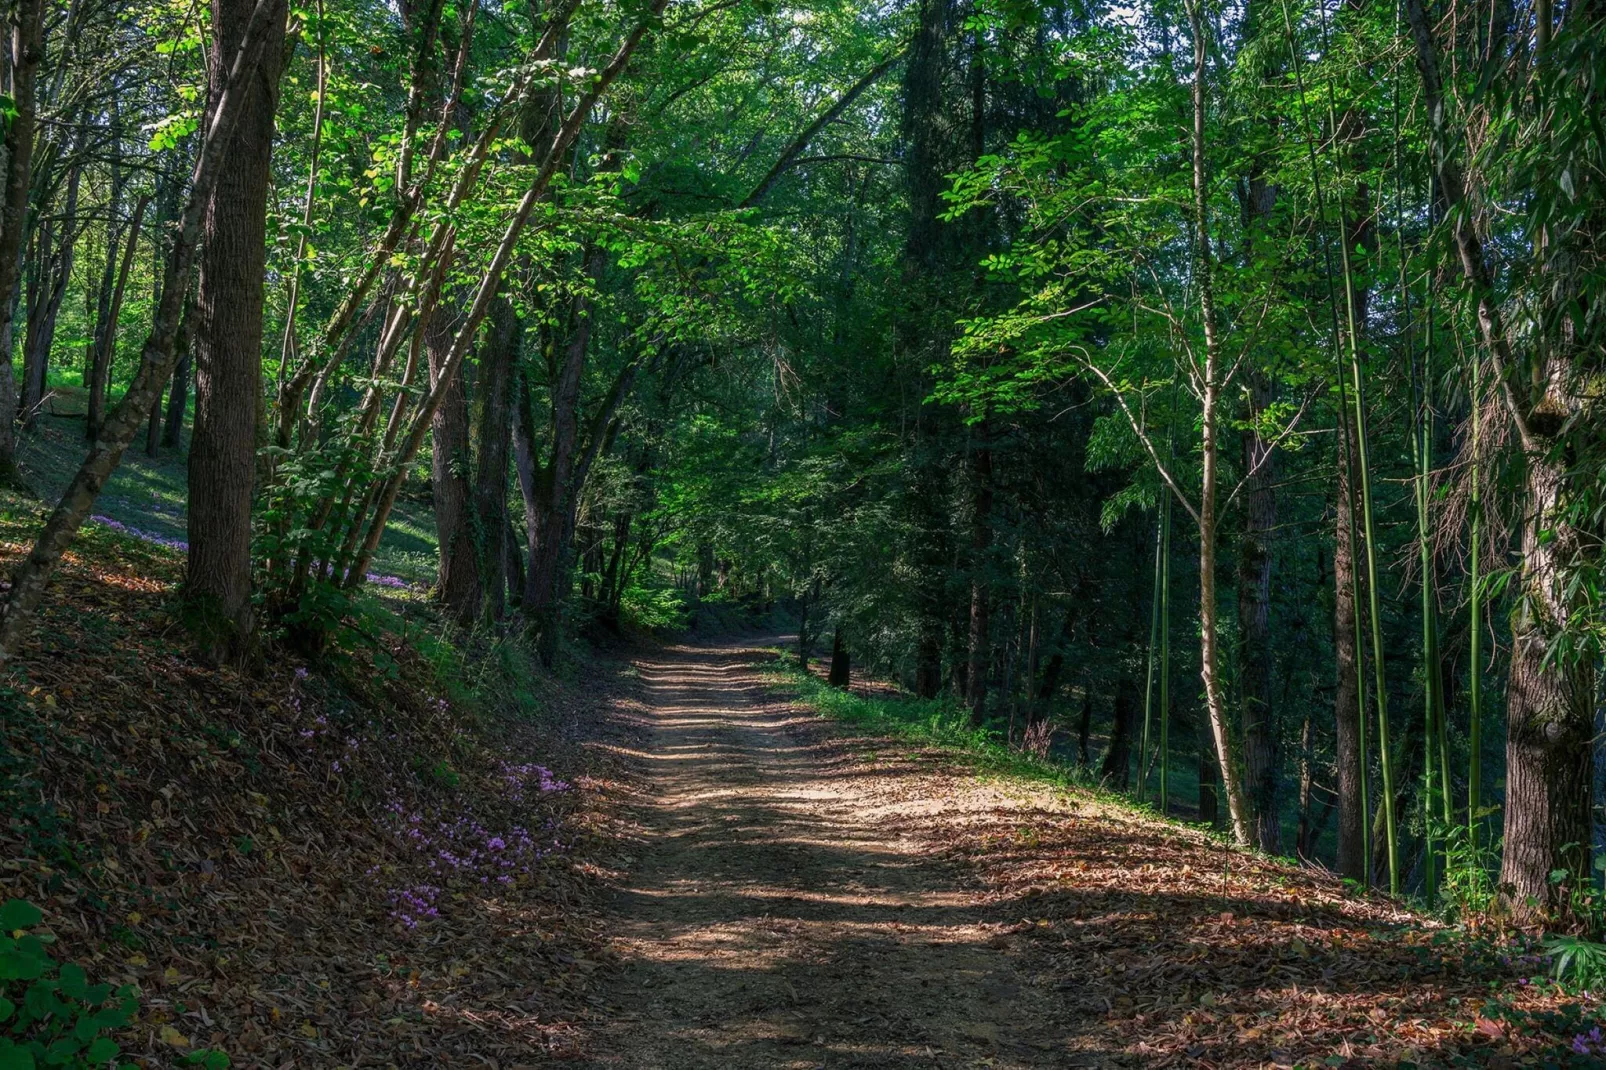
[{"x": 50, "y": 1015}]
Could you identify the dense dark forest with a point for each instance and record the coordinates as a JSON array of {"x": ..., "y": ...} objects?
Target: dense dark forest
[{"x": 1202, "y": 396}]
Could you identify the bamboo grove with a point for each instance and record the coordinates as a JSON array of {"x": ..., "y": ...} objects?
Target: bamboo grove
[{"x": 1204, "y": 392}]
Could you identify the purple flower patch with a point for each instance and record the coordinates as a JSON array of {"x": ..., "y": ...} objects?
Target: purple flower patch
[{"x": 143, "y": 536}]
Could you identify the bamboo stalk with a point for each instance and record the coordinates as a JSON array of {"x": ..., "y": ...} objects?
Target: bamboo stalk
[{"x": 1344, "y": 424}]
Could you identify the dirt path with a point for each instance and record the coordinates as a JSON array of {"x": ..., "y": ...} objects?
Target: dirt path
[{"x": 787, "y": 908}]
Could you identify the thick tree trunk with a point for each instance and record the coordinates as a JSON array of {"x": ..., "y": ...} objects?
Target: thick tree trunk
[
  {"x": 26, "y": 53},
  {"x": 228, "y": 347},
  {"x": 31, "y": 577},
  {"x": 1254, "y": 626},
  {"x": 1550, "y": 719},
  {"x": 1549, "y": 700},
  {"x": 457, "y": 582}
]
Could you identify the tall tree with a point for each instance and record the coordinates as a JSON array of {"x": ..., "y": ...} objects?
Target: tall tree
[
  {"x": 228, "y": 346},
  {"x": 26, "y": 47}
]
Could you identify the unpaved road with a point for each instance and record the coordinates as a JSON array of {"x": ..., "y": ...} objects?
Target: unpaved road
[{"x": 787, "y": 904}]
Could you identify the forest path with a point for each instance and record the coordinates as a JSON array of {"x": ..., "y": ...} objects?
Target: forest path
[{"x": 788, "y": 906}]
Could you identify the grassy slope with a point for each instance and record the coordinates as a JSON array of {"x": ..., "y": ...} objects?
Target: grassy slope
[
  {"x": 1182, "y": 943},
  {"x": 150, "y": 493},
  {"x": 305, "y": 863}
]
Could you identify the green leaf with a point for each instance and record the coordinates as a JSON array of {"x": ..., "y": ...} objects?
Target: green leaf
[
  {"x": 15, "y": 1058},
  {"x": 74, "y": 982},
  {"x": 103, "y": 1050},
  {"x": 18, "y": 914}
]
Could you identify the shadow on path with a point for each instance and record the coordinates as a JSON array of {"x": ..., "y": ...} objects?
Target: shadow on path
[{"x": 783, "y": 912}]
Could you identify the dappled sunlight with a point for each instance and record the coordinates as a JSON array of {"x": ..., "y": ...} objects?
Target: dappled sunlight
[{"x": 801, "y": 899}]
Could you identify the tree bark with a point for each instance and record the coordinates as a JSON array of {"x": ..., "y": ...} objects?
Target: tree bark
[
  {"x": 1117, "y": 768},
  {"x": 1238, "y": 805},
  {"x": 29, "y": 580},
  {"x": 1549, "y": 716},
  {"x": 981, "y": 541},
  {"x": 55, "y": 275},
  {"x": 178, "y": 400},
  {"x": 1352, "y": 862},
  {"x": 228, "y": 347},
  {"x": 841, "y": 668},
  {"x": 500, "y": 354},
  {"x": 26, "y": 52},
  {"x": 1254, "y": 624},
  {"x": 457, "y": 576}
]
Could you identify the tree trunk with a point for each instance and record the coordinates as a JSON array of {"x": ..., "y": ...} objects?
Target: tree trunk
[
  {"x": 840, "y": 667},
  {"x": 26, "y": 52},
  {"x": 1117, "y": 768},
  {"x": 551, "y": 493},
  {"x": 55, "y": 275},
  {"x": 1347, "y": 708},
  {"x": 29, "y": 580},
  {"x": 1254, "y": 625},
  {"x": 95, "y": 360},
  {"x": 1209, "y": 777},
  {"x": 1549, "y": 716},
  {"x": 228, "y": 347},
  {"x": 1238, "y": 806},
  {"x": 501, "y": 353},
  {"x": 177, "y": 401},
  {"x": 981, "y": 540},
  {"x": 457, "y": 582}
]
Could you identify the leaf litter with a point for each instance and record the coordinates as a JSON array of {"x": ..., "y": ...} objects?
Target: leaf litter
[{"x": 334, "y": 867}]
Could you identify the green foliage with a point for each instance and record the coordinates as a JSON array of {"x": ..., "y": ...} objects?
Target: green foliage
[
  {"x": 50, "y": 1015},
  {"x": 1577, "y": 963},
  {"x": 1466, "y": 889},
  {"x": 653, "y": 609},
  {"x": 942, "y": 722}
]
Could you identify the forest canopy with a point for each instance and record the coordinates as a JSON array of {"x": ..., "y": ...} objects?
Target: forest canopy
[{"x": 1205, "y": 393}]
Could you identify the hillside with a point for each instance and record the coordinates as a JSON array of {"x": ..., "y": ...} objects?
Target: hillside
[{"x": 390, "y": 849}]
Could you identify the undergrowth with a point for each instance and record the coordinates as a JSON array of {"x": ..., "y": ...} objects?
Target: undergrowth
[
  {"x": 209, "y": 842},
  {"x": 940, "y": 722}
]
